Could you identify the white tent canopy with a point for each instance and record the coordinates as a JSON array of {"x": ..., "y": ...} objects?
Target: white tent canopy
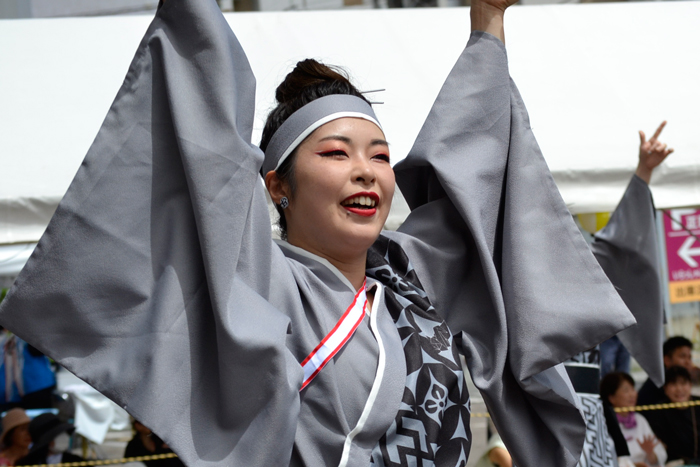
[{"x": 591, "y": 74}]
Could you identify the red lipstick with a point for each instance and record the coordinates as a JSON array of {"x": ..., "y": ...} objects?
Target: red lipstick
[{"x": 363, "y": 203}]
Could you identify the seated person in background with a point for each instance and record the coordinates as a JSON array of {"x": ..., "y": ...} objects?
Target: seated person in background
[
  {"x": 15, "y": 436},
  {"x": 678, "y": 428},
  {"x": 645, "y": 450},
  {"x": 147, "y": 443},
  {"x": 677, "y": 352},
  {"x": 50, "y": 441}
]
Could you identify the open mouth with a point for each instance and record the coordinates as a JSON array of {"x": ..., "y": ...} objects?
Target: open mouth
[{"x": 363, "y": 204}]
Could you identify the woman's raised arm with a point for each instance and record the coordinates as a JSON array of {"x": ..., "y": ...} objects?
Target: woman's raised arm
[
  {"x": 498, "y": 252},
  {"x": 152, "y": 280},
  {"x": 627, "y": 250}
]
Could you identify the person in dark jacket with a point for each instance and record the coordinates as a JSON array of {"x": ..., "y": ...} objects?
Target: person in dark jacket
[
  {"x": 678, "y": 429},
  {"x": 677, "y": 352},
  {"x": 147, "y": 443},
  {"x": 50, "y": 441}
]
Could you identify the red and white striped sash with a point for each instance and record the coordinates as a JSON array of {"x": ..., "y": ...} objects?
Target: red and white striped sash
[{"x": 336, "y": 338}]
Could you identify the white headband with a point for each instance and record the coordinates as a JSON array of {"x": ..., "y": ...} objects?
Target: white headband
[{"x": 304, "y": 121}]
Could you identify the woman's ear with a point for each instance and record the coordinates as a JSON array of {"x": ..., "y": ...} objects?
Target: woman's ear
[{"x": 276, "y": 186}]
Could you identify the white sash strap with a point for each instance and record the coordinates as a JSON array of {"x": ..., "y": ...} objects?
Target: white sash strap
[{"x": 336, "y": 339}]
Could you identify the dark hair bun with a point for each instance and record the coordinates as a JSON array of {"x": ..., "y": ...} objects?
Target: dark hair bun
[{"x": 308, "y": 81}]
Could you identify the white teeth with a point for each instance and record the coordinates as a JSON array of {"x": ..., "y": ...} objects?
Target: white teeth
[{"x": 361, "y": 200}]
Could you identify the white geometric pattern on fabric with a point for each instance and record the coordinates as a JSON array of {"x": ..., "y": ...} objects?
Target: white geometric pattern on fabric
[
  {"x": 598, "y": 448},
  {"x": 431, "y": 428}
]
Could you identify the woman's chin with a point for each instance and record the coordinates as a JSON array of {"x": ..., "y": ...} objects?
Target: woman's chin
[
  {"x": 338, "y": 243},
  {"x": 359, "y": 239},
  {"x": 345, "y": 236}
]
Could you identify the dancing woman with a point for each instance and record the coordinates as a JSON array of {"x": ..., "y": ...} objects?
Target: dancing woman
[{"x": 339, "y": 346}]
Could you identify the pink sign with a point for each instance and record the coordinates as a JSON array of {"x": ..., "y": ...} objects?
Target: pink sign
[{"x": 682, "y": 227}]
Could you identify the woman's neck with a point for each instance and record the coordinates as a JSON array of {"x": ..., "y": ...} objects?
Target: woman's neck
[
  {"x": 350, "y": 265},
  {"x": 354, "y": 271}
]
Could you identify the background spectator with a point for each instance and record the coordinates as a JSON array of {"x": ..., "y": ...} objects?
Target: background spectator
[
  {"x": 26, "y": 377},
  {"x": 678, "y": 428},
  {"x": 15, "y": 436},
  {"x": 496, "y": 453},
  {"x": 677, "y": 352},
  {"x": 645, "y": 450},
  {"x": 50, "y": 441},
  {"x": 614, "y": 357},
  {"x": 147, "y": 443}
]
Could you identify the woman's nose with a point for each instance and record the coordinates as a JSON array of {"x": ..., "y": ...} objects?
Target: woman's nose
[{"x": 363, "y": 171}]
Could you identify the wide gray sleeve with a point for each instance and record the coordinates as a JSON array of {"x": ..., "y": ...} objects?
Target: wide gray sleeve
[
  {"x": 500, "y": 256},
  {"x": 152, "y": 279},
  {"x": 627, "y": 250}
]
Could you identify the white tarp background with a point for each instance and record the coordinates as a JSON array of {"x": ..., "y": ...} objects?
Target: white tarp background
[
  {"x": 591, "y": 75},
  {"x": 13, "y": 257}
]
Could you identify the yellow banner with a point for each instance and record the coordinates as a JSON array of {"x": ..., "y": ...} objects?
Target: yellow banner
[{"x": 684, "y": 291}]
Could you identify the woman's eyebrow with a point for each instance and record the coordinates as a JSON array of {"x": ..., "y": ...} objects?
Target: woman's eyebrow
[
  {"x": 341, "y": 138},
  {"x": 347, "y": 140}
]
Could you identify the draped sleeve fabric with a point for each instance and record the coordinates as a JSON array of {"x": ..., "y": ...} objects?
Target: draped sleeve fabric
[
  {"x": 627, "y": 250},
  {"x": 152, "y": 279},
  {"x": 500, "y": 255}
]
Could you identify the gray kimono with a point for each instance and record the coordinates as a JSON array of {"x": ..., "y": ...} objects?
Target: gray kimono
[
  {"x": 157, "y": 282},
  {"x": 626, "y": 249}
]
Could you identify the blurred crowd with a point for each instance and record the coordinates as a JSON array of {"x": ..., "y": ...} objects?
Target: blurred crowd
[
  {"x": 34, "y": 431},
  {"x": 654, "y": 436}
]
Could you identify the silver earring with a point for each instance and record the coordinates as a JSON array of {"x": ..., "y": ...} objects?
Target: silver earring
[{"x": 284, "y": 202}]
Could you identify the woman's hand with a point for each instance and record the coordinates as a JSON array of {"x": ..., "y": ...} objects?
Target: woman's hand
[
  {"x": 487, "y": 16},
  {"x": 500, "y": 5},
  {"x": 651, "y": 153},
  {"x": 648, "y": 443}
]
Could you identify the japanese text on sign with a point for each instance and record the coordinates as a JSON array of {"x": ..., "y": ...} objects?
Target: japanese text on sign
[{"x": 682, "y": 230}]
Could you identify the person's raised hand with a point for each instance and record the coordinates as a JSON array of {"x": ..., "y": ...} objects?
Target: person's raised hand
[
  {"x": 652, "y": 152},
  {"x": 496, "y": 4},
  {"x": 648, "y": 443}
]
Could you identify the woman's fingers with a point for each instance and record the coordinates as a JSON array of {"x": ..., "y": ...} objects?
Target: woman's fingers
[
  {"x": 658, "y": 131},
  {"x": 642, "y": 138},
  {"x": 652, "y": 151},
  {"x": 499, "y": 4}
]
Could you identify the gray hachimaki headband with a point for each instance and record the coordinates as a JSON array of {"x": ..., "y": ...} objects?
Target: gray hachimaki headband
[{"x": 304, "y": 121}]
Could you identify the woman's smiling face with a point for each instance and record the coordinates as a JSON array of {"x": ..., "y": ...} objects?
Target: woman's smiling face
[
  {"x": 344, "y": 188},
  {"x": 625, "y": 396},
  {"x": 678, "y": 390}
]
